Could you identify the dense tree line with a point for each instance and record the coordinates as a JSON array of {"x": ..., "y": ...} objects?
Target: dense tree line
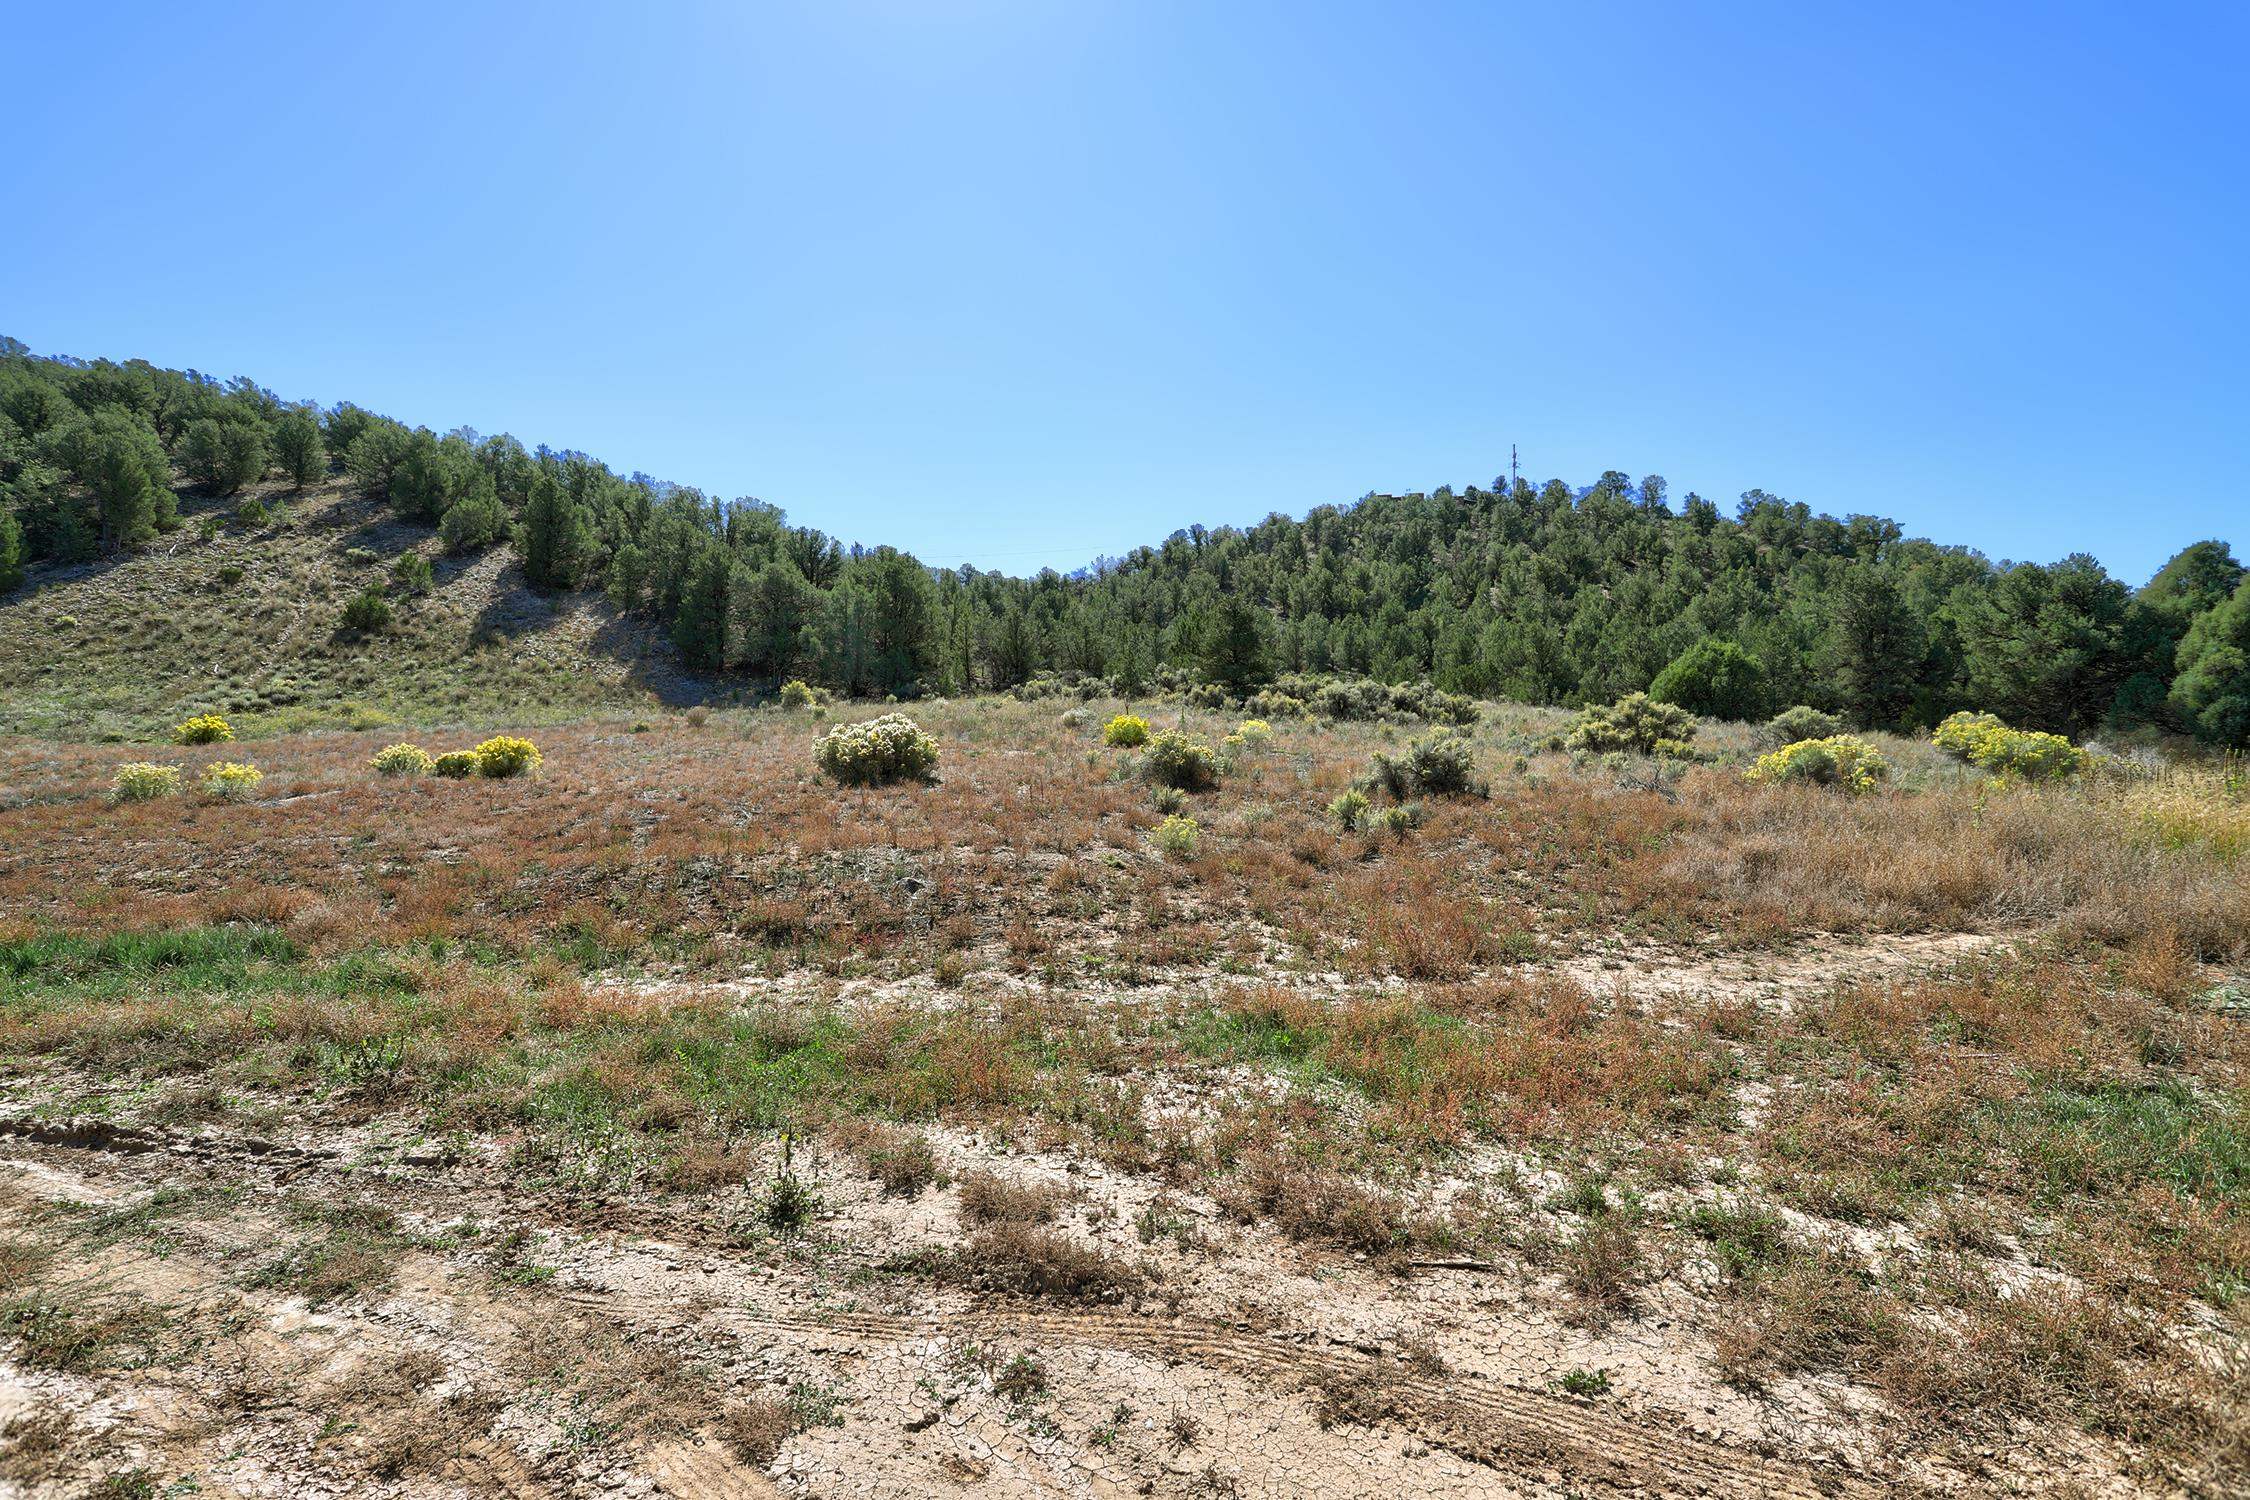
[{"x": 1544, "y": 593}]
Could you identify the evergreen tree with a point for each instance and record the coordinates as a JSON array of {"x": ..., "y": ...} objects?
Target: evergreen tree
[
  {"x": 297, "y": 448},
  {"x": 2212, "y": 692},
  {"x": 11, "y": 550},
  {"x": 700, "y": 627},
  {"x": 558, "y": 538},
  {"x": 1235, "y": 651},
  {"x": 1872, "y": 647},
  {"x": 1716, "y": 679},
  {"x": 117, "y": 458}
]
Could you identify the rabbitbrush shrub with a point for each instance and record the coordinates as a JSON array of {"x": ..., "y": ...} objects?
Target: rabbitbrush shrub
[
  {"x": 1125, "y": 732},
  {"x": 504, "y": 755},
  {"x": 1177, "y": 759},
  {"x": 139, "y": 781},
  {"x": 1176, "y": 836},
  {"x": 203, "y": 729},
  {"x": 1840, "y": 760},
  {"x": 1437, "y": 766},
  {"x": 230, "y": 780},
  {"x": 403, "y": 760},
  {"x": 1635, "y": 722},
  {"x": 456, "y": 764},
  {"x": 795, "y": 694},
  {"x": 1983, "y": 741},
  {"x": 891, "y": 748}
]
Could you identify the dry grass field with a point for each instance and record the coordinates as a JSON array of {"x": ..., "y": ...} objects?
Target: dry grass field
[{"x": 678, "y": 1122}]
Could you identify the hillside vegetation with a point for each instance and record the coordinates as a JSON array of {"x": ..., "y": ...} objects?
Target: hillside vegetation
[{"x": 1540, "y": 593}]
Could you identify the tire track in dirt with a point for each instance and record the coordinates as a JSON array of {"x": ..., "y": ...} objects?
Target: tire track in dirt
[
  {"x": 1512, "y": 1430},
  {"x": 1505, "y": 1428}
]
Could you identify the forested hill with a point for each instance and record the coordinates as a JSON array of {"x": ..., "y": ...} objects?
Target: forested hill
[{"x": 1542, "y": 593}]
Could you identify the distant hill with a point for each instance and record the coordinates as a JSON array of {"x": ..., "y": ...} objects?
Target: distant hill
[{"x": 127, "y": 491}]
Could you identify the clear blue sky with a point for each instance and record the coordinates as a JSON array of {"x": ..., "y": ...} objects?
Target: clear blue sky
[{"x": 1017, "y": 283}]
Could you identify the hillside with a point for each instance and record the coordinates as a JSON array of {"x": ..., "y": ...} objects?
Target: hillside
[
  {"x": 125, "y": 490},
  {"x": 127, "y": 646}
]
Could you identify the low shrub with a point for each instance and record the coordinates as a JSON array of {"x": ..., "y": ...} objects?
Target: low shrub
[
  {"x": 1440, "y": 765},
  {"x": 795, "y": 694},
  {"x": 412, "y": 574},
  {"x": 504, "y": 755},
  {"x": 878, "y": 751},
  {"x": 1253, "y": 732},
  {"x": 1076, "y": 718},
  {"x": 1125, "y": 732},
  {"x": 1350, "y": 810},
  {"x": 1636, "y": 723},
  {"x": 139, "y": 781},
  {"x": 1168, "y": 799},
  {"x": 456, "y": 764},
  {"x": 1177, "y": 759},
  {"x": 1361, "y": 698},
  {"x": 2027, "y": 754},
  {"x": 1176, "y": 836},
  {"x": 367, "y": 611},
  {"x": 1397, "y": 821},
  {"x": 203, "y": 729},
  {"x": 402, "y": 760},
  {"x": 1801, "y": 723},
  {"x": 1840, "y": 760},
  {"x": 230, "y": 780}
]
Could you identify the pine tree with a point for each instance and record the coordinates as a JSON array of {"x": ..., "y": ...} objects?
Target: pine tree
[
  {"x": 558, "y": 540},
  {"x": 1234, "y": 650},
  {"x": 700, "y": 628},
  {"x": 2212, "y": 693},
  {"x": 297, "y": 448},
  {"x": 11, "y": 550}
]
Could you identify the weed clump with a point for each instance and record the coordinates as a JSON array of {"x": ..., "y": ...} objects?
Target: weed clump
[
  {"x": 1843, "y": 760},
  {"x": 504, "y": 756},
  {"x": 1031, "y": 1261},
  {"x": 1125, "y": 732},
  {"x": 141, "y": 781},
  {"x": 402, "y": 760},
  {"x": 1350, "y": 810},
  {"x": 230, "y": 780},
  {"x": 877, "y": 752},
  {"x": 203, "y": 729},
  {"x": 1635, "y": 723},
  {"x": 1177, "y": 759}
]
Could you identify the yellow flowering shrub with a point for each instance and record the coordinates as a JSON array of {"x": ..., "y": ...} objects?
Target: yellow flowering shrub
[
  {"x": 139, "y": 781},
  {"x": 203, "y": 729},
  {"x": 230, "y": 780},
  {"x": 1176, "y": 836},
  {"x": 403, "y": 760},
  {"x": 1839, "y": 760},
  {"x": 505, "y": 755},
  {"x": 456, "y": 764},
  {"x": 1125, "y": 731},
  {"x": 2028, "y": 754},
  {"x": 795, "y": 694}
]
